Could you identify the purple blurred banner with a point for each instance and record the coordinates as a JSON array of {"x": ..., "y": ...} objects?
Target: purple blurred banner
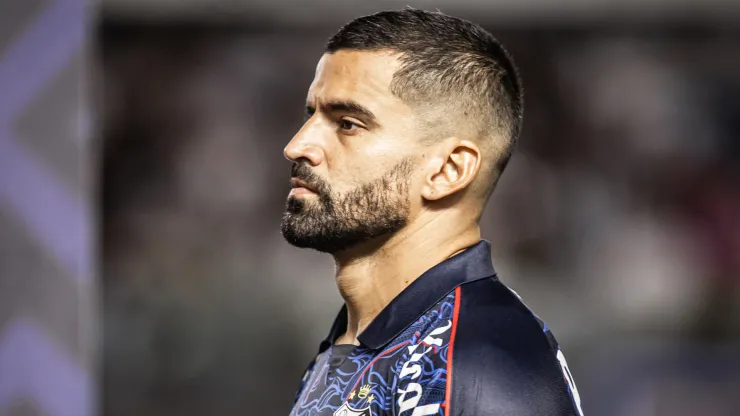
[
  {"x": 45, "y": 216},
  {"x": 34, "y": 367}
]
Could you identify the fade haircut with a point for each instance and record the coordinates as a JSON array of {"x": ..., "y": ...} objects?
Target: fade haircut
[{"x": 449, "y": 61}]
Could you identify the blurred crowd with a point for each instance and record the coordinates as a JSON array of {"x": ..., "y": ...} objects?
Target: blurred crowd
[{"x": 617, "y": 221}]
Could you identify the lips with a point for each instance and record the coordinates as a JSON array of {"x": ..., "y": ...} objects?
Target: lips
[{"x": 299, "y": 183}]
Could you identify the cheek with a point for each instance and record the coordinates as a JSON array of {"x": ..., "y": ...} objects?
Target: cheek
[
  {"x": 416, "y": 187},
  {"x": 351, "y": 176},
  {"x": 349, "y": 168},
  {"x": 355, "y": 161}
]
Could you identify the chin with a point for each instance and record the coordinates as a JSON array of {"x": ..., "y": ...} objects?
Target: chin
[
  {"x": 310, "y": 243},
  {"x": 295, "y": 205},
  {"x": 298, "y": 236}
]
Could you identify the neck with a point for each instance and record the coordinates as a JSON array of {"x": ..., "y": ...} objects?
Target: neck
[{"x": 370, "y": 276}]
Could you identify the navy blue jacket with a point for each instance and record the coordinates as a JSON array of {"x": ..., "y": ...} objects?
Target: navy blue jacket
[{"x": 454, "y": 342}]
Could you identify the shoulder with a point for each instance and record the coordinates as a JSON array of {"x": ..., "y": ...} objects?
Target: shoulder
[
  {"x": 504, "y": 360},
  {"x": 489, "y": 313}
]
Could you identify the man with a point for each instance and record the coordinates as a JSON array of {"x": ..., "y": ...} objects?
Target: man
[{"x": 410, "y": 120}]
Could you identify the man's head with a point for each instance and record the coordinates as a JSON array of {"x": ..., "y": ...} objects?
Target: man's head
[{"x": 410, "y": 114}]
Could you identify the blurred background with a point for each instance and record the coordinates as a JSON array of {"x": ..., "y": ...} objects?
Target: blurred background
[{"x": 144, "y": 148}]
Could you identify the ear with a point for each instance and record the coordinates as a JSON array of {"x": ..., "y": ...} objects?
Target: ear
[{"x": 456, "y": 166}]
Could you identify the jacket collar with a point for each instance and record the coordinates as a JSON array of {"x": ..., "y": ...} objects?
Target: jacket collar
[{"x": 472, "y": 264}]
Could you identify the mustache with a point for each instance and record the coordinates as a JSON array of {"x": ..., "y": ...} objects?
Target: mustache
[{"x": 303, "y": 172}]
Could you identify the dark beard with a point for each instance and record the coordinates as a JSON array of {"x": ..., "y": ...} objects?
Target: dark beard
[{"x": 335, "y": 223}]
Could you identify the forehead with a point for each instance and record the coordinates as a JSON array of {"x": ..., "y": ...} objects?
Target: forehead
[{"x": 361, "y": 76}]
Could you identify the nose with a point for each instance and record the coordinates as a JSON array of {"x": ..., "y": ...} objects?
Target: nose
[{"x": 305, "y": 145}]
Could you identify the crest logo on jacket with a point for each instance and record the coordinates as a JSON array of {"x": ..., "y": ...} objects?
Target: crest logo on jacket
[{"x": 346, "y": 410}]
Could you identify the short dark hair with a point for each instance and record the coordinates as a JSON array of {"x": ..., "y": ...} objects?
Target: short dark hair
[{"x": 445, "y": 56}]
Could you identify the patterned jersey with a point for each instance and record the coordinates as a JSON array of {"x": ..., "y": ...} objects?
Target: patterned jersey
[{"x": 454, "y": 342}]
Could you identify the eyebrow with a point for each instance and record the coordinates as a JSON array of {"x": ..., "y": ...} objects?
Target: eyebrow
[{"x": 346, "y": 106}]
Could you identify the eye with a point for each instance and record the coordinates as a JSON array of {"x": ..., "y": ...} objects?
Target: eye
[
  {"x": 347, "y": 125},
  {"x": 308, "y": 113}
]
